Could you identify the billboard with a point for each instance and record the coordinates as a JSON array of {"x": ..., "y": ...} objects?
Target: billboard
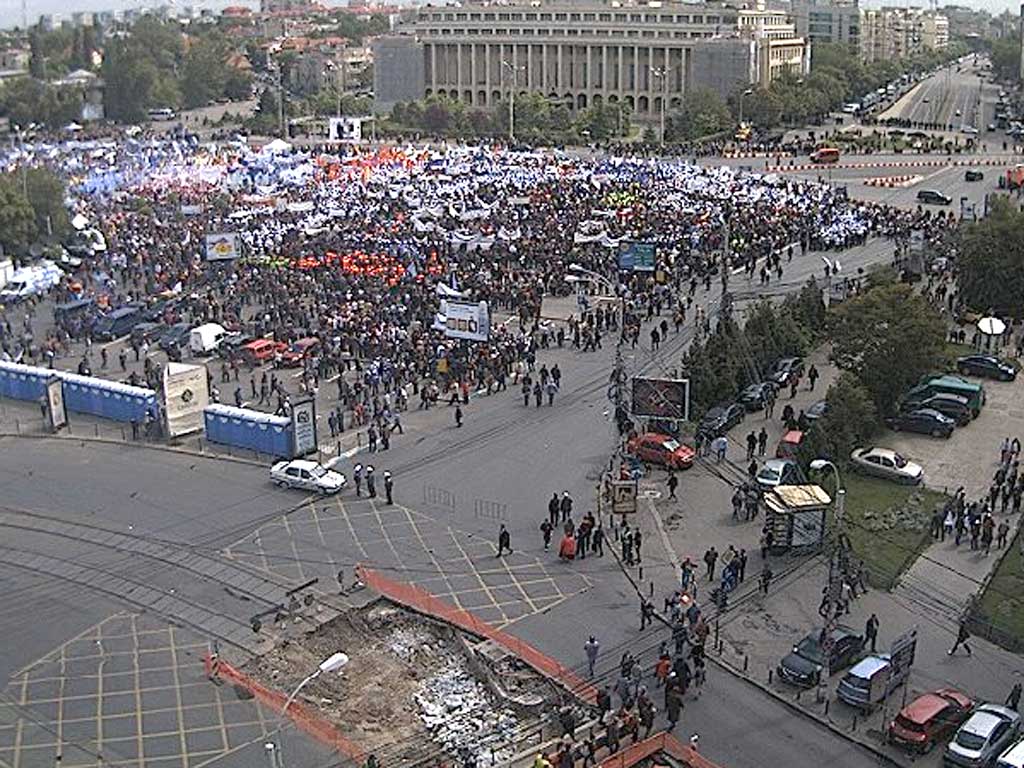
[
  {"x": 56, "y": 411},
  {"x": 346, "y": 128},
  {"x": 304, "y": 426},
  {"x": 222, "y": 246},
  {"x": 186, "y": 394},
  {"x": 661, "y": 398},
  {"x": 466, "y": 320},
  {"x": 637, "y": 257}
]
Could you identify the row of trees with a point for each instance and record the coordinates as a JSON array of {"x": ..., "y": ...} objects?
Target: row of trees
[
  {"x": 31, "y": 206},
  {"x": 990, "y": 262}
]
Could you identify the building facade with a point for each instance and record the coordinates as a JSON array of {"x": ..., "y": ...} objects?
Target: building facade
[
  {"x": 585, "y": 53},
  {"x": 827, "y": 21},
  {"x": 397, "y": 71},
  {"x": 893, "y": 33}
]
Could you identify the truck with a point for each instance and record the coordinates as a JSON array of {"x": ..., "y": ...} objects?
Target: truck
[{"x": 26, "y": 282}]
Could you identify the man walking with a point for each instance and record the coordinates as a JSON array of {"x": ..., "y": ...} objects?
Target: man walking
[
  {"x": 673, "y": 483},
  {"x": 591, "y": 648},
  {"x": 871, "y": 631},
  {"x": 504, "y": 541},
  {"x": 762, "y": 442},
  {"x": 458, "y": 416},
  {"x": 710, "y": 558},
  {"x": 962, "y": 636}
]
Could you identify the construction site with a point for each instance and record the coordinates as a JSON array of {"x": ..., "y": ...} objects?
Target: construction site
[{"x": 412, "y": 690}]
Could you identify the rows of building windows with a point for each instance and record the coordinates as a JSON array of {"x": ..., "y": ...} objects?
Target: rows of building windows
[
  {"x": 617, "y": 18},
  {"x": 542, "y": 32}
]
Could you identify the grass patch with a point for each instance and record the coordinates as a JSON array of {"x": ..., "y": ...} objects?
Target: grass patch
[
  {"x": 888, "y": 524},
  {"x": 1002, "y": 603}
]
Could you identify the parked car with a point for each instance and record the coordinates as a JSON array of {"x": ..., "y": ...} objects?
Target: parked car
[
  {"x": 295, "y": 355},
  {"x": 259, "y": 351},
  {"x": 868, "y": 682},
  {"x": 778, "y": 472},
  {"x": 984, "y": 735},
  {"x": 930, "y": 718},
  {"x": 176, "y": 337},
  {"x": 933, "y": 197},
  {"x": 720, "y": 419},
  {"x": 789, "y": 444},
  {"x": 923, "y": 420},
  {"x": 116, "y": 324},
  {"x": 307, "y": 475},
  {"x": 816, "y": 411},
  {"x": 1013, "y": 757},
  {"x": 973, "y": 175},
  {"x": 804, "y": 665},
  {"x": 887, "y": 464},
  {"x": 755, "y": 396},
  {"x": 988, "y": 366},
  {"x": 784, "y": 368},
  {"x": 954, "y": 406},
  {"x": 661, "y": 449},
  {"x": 147, "y": 332}
]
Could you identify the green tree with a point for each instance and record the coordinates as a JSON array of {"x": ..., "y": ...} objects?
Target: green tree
[
  {"x": 237, "y": 85},
  {"x": 1005, "y": 57},
  {"x": 703, "y": 113},
  {"x": 129, "y": 83},
  {"x": 990, "y": 265},
  {"x": 808, "y": 308},
  {"x": 204, "y": 73},
  {"x": 17, "y": 219},
  {"x": 849, "y": 422},
  {"x": 46, "y": 193},
  {"x": 888, "y": 337},
  {"x": 36, "y": 60}
]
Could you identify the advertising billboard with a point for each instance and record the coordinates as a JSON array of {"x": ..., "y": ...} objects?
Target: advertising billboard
[
  {"x": 222, "y": 246},
  {"x": 661, "y": 398},
  {"x": 186, "y": 394},
  {"x": 466, "y": 320},
  {"x": 637, "y": 257},
  {"x": 56, "y": 411},
  {"x": 304, "y": 426}
]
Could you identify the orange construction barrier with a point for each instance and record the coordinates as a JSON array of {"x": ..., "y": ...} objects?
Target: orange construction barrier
[
  {"x": 310, "y": 722},
  {"x": 661, "y": 742},
  {"x": 421, "y": 601}
]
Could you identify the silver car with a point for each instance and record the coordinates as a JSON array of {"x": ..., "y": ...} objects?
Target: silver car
[
  {"x": 988, "y": 731},
  {"x": 778, "y": 472},
  {"x": 886, "y": 464}
]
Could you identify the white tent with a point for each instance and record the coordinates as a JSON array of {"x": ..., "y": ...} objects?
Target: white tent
[{"x": 277, "y": 146}]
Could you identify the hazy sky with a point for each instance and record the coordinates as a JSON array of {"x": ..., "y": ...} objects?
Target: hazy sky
[{"x": 10, "y": 10}]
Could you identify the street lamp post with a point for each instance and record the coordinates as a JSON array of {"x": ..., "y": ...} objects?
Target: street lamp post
[
  {"x": 332, "y": 663},
  {"x": 821, "y": 464},
  {"x": 742, "y": 94},
  {"x": 513, "y": 81},
  {"x": 662, "y": 73}
]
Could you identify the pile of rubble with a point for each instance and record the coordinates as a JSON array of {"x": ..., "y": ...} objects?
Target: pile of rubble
[
  {"x": 910, "y": 516},
  {"x": 462, "y": 717}
]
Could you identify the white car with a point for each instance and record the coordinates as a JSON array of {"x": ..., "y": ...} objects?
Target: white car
[
  {"x": 307, "y": 475},
  {"x": 969, "y": 130},
  {"x": 887, "y": 464}
]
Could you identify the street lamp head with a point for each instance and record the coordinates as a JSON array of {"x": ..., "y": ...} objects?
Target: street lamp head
[
  {"x": 333, "y": 662},
  {"x": 820, "y": 464}
]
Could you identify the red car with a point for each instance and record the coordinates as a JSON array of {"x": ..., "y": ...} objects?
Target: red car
[
  {"x": 930, "y": 718},
  {"x": 661, "y": 449},
  {"x": 294, "y": 356}
]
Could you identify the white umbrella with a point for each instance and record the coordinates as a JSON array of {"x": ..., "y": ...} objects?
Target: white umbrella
[{"x": 991, "y": 326}]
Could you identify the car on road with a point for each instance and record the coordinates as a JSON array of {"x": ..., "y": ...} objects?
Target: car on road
[
  {"x": 147, "y": 332},
  {"x": 720, "y": 419},
  {"x": 984, "y": 735},
  {"x": 259, "y": 351},
  {"x": 175, "y": 337},
  {"x": 307, "y": 476},
  {"x": 973, "y": 176},
  {"x": 116, "y": 324},
  {"x": 755, "y": 396},
  {"x": 886, "y": 464},
  {"x": 988, "y": 366},
  {"x": 991, "y": 127},
  {"x": 777, "y": 472},
  {"x": 923, "y": 420},
  {"x": 930, "y": 718},
  {"x": 784, "y": 368},
  {"x": 656, "y": 448},
  {"x": 933, "y": 197},
  {"x": 970, "y": 130},
  {"x": 804, "y": 665},
  {"x": 954, "y": 406}
]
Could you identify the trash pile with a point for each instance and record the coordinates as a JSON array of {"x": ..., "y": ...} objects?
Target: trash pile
[{"x": 459, "y": 714}]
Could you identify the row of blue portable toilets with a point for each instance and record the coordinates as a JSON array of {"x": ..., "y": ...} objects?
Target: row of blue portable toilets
[{"x": 224, "y": 424}]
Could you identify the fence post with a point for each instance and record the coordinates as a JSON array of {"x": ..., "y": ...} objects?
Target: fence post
[
  {"x": 17, "y": 426},
  {"x": 96, "y": 429}
]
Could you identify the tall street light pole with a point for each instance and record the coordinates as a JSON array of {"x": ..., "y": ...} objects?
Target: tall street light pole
[
  {"x": 332, "y": 663},
  {"x": 662, "y": 72},
  {"x": 513, "y": 81},
  {"x": 742, "y": 94}
]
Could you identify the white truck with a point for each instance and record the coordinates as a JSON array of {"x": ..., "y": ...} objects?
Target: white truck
[{"x": 30, "y": 281}]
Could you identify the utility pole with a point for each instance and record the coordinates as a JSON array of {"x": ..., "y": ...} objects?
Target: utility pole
[
  {"x": 662, "y": 72},
  {"x": 513, "y": 82}
]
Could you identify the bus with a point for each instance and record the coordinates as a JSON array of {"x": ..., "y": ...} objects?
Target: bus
[
  {"x": 825, "y": 155},
  {"x": 162, "y": 113}
]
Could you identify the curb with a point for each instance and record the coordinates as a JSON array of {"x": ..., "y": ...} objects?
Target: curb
[
  {"x": 150, "y": 446},
  {"x": 883, "y": 757}
]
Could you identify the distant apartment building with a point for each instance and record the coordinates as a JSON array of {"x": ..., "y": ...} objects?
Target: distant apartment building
[
  {"x": 587, "y": 52},
  {"x": 827, "y": 21},
  {"x": 48, "y": 22},
  {"x": 894, "y": 33}
]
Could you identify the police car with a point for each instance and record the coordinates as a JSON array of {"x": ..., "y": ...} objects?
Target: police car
[{"x": 307, "y": 476}]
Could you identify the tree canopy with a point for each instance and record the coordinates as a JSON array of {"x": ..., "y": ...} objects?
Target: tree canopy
[{"x": 990, "y": 266}]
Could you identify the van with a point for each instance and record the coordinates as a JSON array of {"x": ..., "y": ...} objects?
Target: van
[
  {"x": 30, "y": 281},
  {"x": 950, "y": 384},
  {"x": 868, "y": 682},
  {"x": 117, "y": 324},
  {"x": 204, "y": 339},
  {"x": 259, "y": 351},
  {"x": 825, "y": 155}
]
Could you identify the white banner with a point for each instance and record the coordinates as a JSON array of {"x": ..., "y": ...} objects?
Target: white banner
[
  {"x": 186, "y": 395},
  {"x": 304, "y": 426},
  {"x": 466, "y": 320},
  {"x": 222, "y": 246}
]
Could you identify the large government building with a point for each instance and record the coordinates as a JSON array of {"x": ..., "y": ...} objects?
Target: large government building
[{"x": 585, "y": 53}]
